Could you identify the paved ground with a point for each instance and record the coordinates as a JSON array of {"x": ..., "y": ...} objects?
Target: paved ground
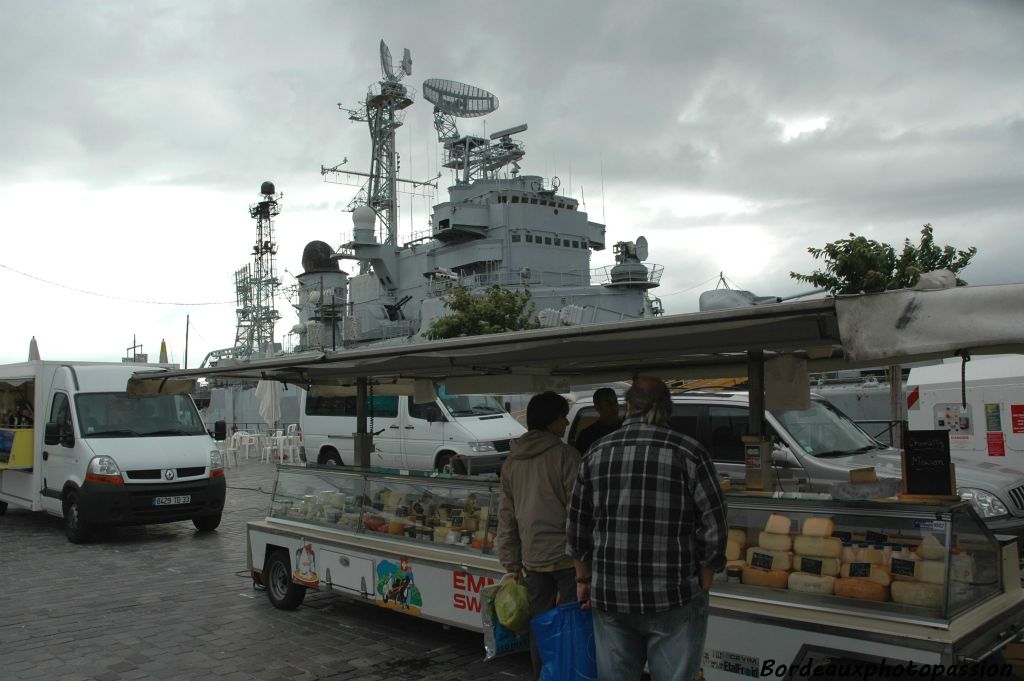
[{"x": 163, "y": 602}]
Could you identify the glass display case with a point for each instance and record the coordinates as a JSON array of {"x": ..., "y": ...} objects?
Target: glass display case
[
  {"x": 919, "y": 563},
  {"x": 423, "y": 508}
]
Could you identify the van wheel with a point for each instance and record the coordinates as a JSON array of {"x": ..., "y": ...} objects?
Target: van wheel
[
  {"x": 330, "y": 458},
  {"x": 281, "y": 590},
  {"x": 207, "y": 523},
  {"x": 447, "y": 463},
  {"x": 75, "y": 529},
  {"x": 3, "y": 507}
]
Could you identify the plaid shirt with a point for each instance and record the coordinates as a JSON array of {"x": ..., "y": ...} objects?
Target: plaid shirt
[{"x": 647, "y": 512}]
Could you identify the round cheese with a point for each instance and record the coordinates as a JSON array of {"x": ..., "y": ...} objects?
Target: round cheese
[
  {"x": 738, "y": 535},
  {"x": 877, "y": 573},
  {"x": 733, "y": 550},
  {"x": 758, "y": 577},
  {"x": 777, "y": 524},
  {"x": 811, "y": 584},
  {"x": 864, "y": 589},
  {"x": 918, "y": 593},
  {"x": 818, "y": 527},
  {"x": 823, "y": 547},
  {"x": 775, "y": 542},
  {"x": 820, "y": 566},
  {"x": 931, "y": 548}
]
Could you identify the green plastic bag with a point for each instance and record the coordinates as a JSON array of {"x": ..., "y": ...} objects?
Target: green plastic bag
[{"x": 512, "y": 604}]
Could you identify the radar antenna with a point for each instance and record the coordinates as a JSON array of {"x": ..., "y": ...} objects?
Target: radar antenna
[{"x": 474, "y": 156}]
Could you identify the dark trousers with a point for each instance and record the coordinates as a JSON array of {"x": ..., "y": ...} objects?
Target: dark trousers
[{"x": 544, "y": 589}]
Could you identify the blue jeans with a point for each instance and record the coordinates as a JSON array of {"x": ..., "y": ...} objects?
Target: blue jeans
[{"x": 671, "y": 642}]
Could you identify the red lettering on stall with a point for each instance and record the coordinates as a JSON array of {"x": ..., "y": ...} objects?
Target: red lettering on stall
[{"x": 470, "y": 585}]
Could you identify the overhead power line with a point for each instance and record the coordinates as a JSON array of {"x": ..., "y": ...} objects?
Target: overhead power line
[{"x": 104, "y": 295}]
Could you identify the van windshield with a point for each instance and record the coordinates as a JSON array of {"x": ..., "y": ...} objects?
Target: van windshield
[
  {"x": 824, "y": 431},
  {"x": 118, "y": 415},
  {"x": 470, "y": 405}
]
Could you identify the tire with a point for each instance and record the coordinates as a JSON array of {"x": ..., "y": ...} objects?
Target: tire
[
  {"x": 3, "y": 507},
  {"x": 330, "y": 458},
  {"x": 207, "y": 523},
  {"x": 283, "y": 593},
  {"x": 447, "y": 463},
  {"x": 75, "y": 529}
]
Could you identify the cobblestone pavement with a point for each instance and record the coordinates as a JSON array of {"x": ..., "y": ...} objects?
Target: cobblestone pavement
[{"x": 164, "y": 602}]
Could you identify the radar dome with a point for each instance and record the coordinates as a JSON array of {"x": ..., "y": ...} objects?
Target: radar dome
[
  {"x": 267, "y": 188},
  {"x": 316, "y": 257},
  {"x": 363, "y": 218}
]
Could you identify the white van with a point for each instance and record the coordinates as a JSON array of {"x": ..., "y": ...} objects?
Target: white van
[
  {"x": 76, "y": 444},
  {"x": 989, "y": 429},
  {"x": 466, "y": 434}
]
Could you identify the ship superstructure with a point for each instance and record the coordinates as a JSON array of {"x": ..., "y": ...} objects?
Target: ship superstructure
[{"x": 497, "y": 227}]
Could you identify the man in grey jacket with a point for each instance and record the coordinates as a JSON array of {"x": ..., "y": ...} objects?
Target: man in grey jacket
[{"x": 536, "y": 484}]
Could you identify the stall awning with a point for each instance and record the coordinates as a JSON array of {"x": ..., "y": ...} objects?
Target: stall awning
[{"x": 848, "y": 332}]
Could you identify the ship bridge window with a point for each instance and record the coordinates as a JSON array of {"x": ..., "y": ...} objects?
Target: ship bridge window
[
  {"x": 502, "y": 199},
  {"x": 529, "y": 238},
  {"x": 516, "y": 238},
  {"x": 533, "y": 202},
  {"x": 575, "y": 244},
  {"x": 547, "y": 241},
  {"x": 561, "y": 205},
  {"x": 558, "y": 242},
  {"x": 515, "y": 199}
]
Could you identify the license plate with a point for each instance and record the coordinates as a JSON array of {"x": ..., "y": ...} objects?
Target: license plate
[{"x": 172, "y": 501}]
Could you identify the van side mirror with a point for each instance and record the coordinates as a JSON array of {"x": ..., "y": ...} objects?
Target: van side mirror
[
  {"x": 55, "y": 434},
  {"x": 508, "y": 407},
  {"x": 220, "y": 430},
  {"x": 783, "y": 458}
]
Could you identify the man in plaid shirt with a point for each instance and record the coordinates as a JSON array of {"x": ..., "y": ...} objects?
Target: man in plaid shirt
[{"x": 647, "y": 529}]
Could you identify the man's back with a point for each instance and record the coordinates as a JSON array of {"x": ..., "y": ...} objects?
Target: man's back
[{"x": 653, "y": 500}]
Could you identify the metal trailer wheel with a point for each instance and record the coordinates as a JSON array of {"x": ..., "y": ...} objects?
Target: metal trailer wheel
[{"x": 283, "y": 593}]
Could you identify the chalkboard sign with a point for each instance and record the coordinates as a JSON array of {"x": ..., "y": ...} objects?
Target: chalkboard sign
[
  {"x": 873, "y": 537},
  {"x": 926, "y": 467},
  {"x": 844, "y": 536},
  {"x": 812, "y": 565},
  {"x": 860, "y": 569},
  {"x": 902, "y": 566},
  {"x": 762, "y": 560}
]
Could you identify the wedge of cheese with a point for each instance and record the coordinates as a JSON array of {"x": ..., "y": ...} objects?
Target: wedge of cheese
[
  {"x": 777, "y": 524},
  {"x": 758, "y": 577},
  {"x": 811, "y": 584},
  {"x": 931, "y": 548},
  {"x": 775, "y": 542},
  {"x": 864, "y": 589},
  {"x": 733, "y": 550},
  {"x": 820, "y": 566},
  {"x": 918, "y": 593},
  {"x": 877, "y": 573},
  {"x": 780, "y": 560},
  {"x": 818, "y": 527},
  {"x": 821, "y": 547}
]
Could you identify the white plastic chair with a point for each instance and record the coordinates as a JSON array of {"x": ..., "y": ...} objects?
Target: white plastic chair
[
  {"x": 233, "y": 445},
  {"x": 249, "y": 443},
  {"x": 227, "y": 451},
  {"x": 274, "y": 445}
]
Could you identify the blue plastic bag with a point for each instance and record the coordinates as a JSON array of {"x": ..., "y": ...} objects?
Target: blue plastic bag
[{"x": 565, "y": 640}]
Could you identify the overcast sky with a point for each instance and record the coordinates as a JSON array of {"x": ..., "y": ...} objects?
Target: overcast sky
[{"x": 733, "y": 135}]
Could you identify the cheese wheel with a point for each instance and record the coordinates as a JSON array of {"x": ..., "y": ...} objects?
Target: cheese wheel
[
  {"x": 775, "y": 542},
  {"x": 898, "y": 572},
  {"x": 829, "y": 566},
  {"x": 781, "y": 560},
  {"x": 818, "y": 527},
  {"x": 758, "y": 577},
  {"x": 870, "y": 554},
  {"x": 877, "y": 574},
  {"x": 864, "y": 589},
  {"x": 733, "y": 550},
  {"x": 918, "y": 593},
  {"x": 931, "y": 571},
  {"x": 931, "y": 548},
  {"x": 777, "y": 524},
  {"x": 823, "y": 547},
  {"x": 811, "y": 584},
  {"x": 738, "y": 535}
]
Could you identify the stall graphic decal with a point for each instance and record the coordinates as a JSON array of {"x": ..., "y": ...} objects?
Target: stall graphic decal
[
  {"x": 305, "y": 566},
  {"x": 1017, "y": 417},
  {"x": 396, "y": 587}
]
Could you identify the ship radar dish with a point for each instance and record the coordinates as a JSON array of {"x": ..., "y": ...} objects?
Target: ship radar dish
[
  {"x": 458, "y": 99},
  {"x": 385, "y": 61},
  {"x": 641, "y": 248}
]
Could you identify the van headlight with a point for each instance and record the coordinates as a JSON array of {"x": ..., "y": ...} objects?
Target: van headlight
[
  {"x": 104, "y": 469},
  {"x": 216, "y": 464},
  {"x": 482, "y": 446},
  {"x": 987, "y": 505}
]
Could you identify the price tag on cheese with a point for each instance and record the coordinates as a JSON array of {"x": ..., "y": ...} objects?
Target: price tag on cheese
[
  {"x": 812, "y": 565},
  {"x": 761, "y": 560},
  {"x": 872, "y": 537},
  {"x": 902, "y": 566},
  {"x": 860, "y": 569}
]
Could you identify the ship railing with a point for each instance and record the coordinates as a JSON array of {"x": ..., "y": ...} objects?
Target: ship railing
[
  {"x": 440, "y": 286},
  {"x": 603, "y": 275},
  {"x": 398, "y": 329}
]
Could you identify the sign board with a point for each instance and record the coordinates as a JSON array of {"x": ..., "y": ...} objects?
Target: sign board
[{"x": 927, "y": 471}]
